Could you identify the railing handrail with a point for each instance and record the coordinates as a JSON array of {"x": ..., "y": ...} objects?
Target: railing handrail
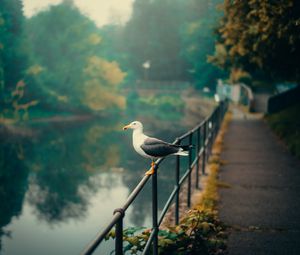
[{"x": 208, "y": 135}]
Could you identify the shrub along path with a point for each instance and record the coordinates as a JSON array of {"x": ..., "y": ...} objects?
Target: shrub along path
[{"x": 261, "y": 205}]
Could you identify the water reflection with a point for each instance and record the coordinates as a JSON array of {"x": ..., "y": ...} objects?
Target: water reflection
[
  {"x": 13, "y": 181},
  {"x": 58, "y": 169}
]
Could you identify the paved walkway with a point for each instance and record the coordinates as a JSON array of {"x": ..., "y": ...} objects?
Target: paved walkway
[{"x": 262, "y": 205}]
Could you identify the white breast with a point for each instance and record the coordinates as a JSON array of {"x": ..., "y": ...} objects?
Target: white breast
[{"x": 138, "y": 139}]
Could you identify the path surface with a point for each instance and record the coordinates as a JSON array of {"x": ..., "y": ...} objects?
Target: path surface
[{"x": 262, "y": 205}]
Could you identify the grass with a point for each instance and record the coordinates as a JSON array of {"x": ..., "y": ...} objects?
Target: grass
[{"x": 286, "y": 125}]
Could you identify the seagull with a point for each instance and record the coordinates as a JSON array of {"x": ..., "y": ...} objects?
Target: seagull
[{"x": 153, "y": 148}]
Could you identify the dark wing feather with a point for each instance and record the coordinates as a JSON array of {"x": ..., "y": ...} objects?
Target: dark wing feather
[{"x": 158, "y": 148}]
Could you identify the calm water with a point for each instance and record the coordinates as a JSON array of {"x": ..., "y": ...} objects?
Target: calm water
[{"x": 60, "y": 182}]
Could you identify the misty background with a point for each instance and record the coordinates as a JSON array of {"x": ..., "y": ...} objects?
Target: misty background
[{"x": 73, "y": 72}]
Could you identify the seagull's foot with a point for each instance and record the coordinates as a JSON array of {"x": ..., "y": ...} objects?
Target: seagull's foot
[{"x": 152, "y": 170}]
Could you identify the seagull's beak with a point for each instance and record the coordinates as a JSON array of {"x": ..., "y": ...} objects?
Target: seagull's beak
[{"x": 126, "y": 127}]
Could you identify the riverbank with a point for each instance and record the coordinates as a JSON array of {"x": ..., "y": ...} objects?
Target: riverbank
[{"x": 24, "y": 129}]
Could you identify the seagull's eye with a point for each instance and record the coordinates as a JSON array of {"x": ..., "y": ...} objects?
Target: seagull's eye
[{"x": 134, "y": 123}]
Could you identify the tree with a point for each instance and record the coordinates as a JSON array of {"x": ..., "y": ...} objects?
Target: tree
[
  {"x": 12, "y": 52},
  {"x": 101, "y": 85},
  {"x": 65, "y": 44},
  {"x": 199, "y": 38},
  {"x": 176, "y": 37},
  {"x": 153, "y": 34},
  {"x": 260, "y": 37}
]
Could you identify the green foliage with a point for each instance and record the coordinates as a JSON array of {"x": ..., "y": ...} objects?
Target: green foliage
[
  {"x": 12, "y": 52},
  {"x": 101, "y": 84},
  {"x": 261, "y": 37},
  {"x": 286, "y": 124},
  {"x": 199, "y": 232},
  {"x": 75, "y": 66},
  {"x": 20, "y": 107},
  {"x": 166, "y": 102},
  {"x": 198, "y": 42},
  {"x": 162, "y": 106},
  {"x": 67, "y": 63}
]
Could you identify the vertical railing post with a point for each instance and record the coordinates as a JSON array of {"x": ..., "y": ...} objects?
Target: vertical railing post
[
  {"x": 178, "y": 190},
  {"x": 221, "y": 114},
  {"x": 190, "y": 171},
  {"x": 215, "y": 124},
  {"x": 204, "y": 147},
  {"x": 211, "y": 134},
  {"x": 211, "y": 130},
  {"x": 119, "y": 232},
  {"x": 197, "y": 155},
  {"x": 218, "y": 118},
  {"x": 119, "y": 237},
  {"x": 154, "y": 212}
]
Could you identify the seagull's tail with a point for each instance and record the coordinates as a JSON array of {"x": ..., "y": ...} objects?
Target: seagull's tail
[{"x": 184, "y": 150}]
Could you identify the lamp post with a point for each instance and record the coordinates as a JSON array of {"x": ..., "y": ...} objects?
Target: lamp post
[{"x": 146, "y": 67}]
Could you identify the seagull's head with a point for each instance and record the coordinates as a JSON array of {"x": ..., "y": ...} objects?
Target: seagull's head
[{"x": 134, "y": 125}]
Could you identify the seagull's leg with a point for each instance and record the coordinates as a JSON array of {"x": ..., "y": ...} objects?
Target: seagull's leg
[{"x": 151, "y": 171}]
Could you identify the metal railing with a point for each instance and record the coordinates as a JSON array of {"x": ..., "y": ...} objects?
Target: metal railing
[{"x": 203, "y": 136}]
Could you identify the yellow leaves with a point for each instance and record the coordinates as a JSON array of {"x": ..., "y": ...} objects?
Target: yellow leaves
[
  {"x": 220, "y": 55},
  {"x": 61, "y": 98},
  {"x": 112, "y": 73},
  {"x": 252, "y": 13},
  {"x": 94, "y": 96},
  {"x": 98, "y": 97},
  {"x": 253, "y": 29},
  {"x": 240, "y": 49},
  {"x": 34, "y": 70},
  {"x": 237, "y": 74},
  {"x": 109, "y": 71},
  {"x": 17, "y": 95},
  {"x": 94, "y": 39},
  {"x": 220, "y": 49},
  {"x": 19, "y": 91},
  {"x": 100, "y": 92}
]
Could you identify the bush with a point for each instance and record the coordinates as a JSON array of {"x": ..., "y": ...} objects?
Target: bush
[{"x": 286, "y": 125}]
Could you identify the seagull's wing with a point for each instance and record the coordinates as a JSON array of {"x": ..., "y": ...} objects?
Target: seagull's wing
[{"x": 158, "y": 148}]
